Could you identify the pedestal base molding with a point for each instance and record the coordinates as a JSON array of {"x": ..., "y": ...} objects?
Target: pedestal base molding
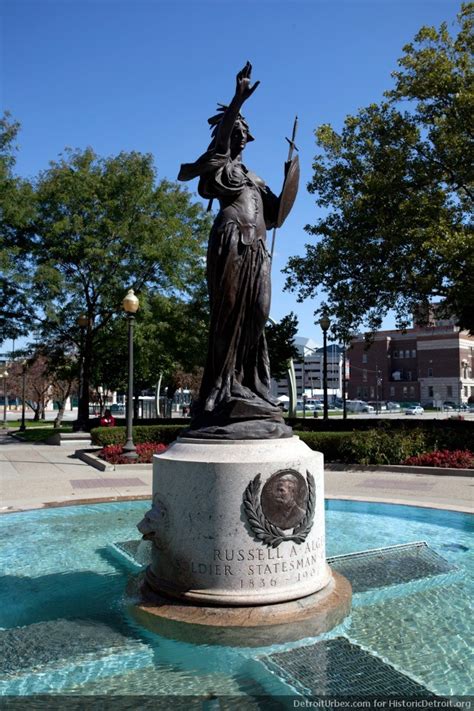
[{"x": 245, "y": 626}]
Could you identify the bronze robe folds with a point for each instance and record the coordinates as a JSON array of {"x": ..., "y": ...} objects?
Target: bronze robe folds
[{"x": 234, "y": 400}]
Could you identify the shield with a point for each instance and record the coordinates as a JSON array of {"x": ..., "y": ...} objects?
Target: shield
[{"x": 290, "y": 188}]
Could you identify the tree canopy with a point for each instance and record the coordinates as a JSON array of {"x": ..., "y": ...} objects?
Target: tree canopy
[
  {"x": 79, "y": 236},
  {"x": 104, "y": 225},
  {"x": 281, "y": 344},
  {"x": 16, "y": 212},
  {"x": 396, "y": 187}
]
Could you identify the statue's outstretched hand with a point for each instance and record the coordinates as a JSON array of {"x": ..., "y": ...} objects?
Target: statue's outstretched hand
[{"x": 243, "y": 89}]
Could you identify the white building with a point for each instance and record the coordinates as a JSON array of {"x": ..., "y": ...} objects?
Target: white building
[{"x": 309, "y": 370}]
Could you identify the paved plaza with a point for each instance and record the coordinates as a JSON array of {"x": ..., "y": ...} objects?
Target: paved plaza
[{"x": 38, "y": 475}]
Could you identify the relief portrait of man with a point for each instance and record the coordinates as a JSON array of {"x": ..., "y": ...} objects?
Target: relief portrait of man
[{"x": 284, "y": 499}]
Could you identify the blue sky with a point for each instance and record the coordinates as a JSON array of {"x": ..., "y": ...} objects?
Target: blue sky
[{"x": 146, "y": 74}]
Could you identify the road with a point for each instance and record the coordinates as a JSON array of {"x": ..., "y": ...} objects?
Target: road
[
  {"x": 431, "y": 415},
  {"x": 71, "y": 415}
]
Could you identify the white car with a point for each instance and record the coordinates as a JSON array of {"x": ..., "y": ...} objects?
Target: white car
[
  {"x": 307, "y": 405},
  {"x": 359, "y": 406},
  {"x": 316, "y": 404},
  {"x": 415, "y": 410}
]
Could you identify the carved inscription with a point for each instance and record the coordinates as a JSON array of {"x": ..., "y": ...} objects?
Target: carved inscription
[{"x": 256, "y": 566}]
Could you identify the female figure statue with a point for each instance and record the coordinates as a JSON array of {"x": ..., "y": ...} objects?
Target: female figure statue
[{"x": 235, "y": 400}]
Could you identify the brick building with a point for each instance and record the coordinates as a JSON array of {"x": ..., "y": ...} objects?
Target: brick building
[{"x": 428, "y": 364}]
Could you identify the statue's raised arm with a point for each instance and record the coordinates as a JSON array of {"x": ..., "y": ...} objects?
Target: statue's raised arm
[{"x": 243, "y": 91}]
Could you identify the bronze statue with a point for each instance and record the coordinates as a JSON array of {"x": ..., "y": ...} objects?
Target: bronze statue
[{"x": 234, "y": 400}]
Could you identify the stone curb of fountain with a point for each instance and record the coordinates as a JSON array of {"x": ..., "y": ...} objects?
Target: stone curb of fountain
[{"x": 398, "y": 469}]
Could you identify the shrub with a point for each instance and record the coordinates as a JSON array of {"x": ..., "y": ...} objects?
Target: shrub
[
  {"x": 383, "y": 443},
  {"x": 164, "y": 434},
  {"x": 331, "y": 444},
  {"x": 459, "y": 459},
  {"x": 113, "y": 453},
  {"x": 379, "y": 446},
  {"x": 440, "y": 434}
]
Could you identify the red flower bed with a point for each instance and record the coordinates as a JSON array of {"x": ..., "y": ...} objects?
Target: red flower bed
[
  {"x": 459, "y": 459},
  {"x": 113, "y": 453}
]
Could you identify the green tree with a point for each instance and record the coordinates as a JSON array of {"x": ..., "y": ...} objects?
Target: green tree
[
  {"x": 105, "y": 225},
  {"x": 179, "y": 347},
  {"x": 61, "y": 369},
  {"x": 16, "y": 212},
  {"x": 170, "y": 341},
  {"x": 396, "y": 185},
  {"x": 281, "y": 347}
]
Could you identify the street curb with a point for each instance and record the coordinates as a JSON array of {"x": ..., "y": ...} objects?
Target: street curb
[
  {"x": 88, "y": 456},
  {"x": 399, "y": 469}
]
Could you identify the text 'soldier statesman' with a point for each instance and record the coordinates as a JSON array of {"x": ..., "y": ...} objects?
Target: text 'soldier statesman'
[{"x": 234, "y": 400}]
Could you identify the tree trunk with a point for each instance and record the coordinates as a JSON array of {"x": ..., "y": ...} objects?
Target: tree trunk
[
  {"x": 59, "y": 417},
  {"x": 83, "y": 405}
]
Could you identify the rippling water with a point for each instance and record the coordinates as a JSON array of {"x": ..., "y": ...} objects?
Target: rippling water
[{"x": 65, "y": 627}]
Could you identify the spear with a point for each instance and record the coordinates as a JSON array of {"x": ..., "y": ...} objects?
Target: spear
[{"x": 292, "y": 148}]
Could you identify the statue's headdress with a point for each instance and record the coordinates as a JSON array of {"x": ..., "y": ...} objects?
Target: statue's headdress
[{"x": 215, "y": 120}]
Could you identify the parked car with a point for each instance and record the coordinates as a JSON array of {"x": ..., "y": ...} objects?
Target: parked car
[
  {"x": 317, "y": 404},
  {"x": 393, "y": 406},
  {"x": 359, "y": 406},
  {"x": 449, "y": 405},
  {"x": 381, "y": 405},
  {"x": 117, "y": 408},
  {"x": 308, "y": 405},
  {"x": 414, "y": 410}
]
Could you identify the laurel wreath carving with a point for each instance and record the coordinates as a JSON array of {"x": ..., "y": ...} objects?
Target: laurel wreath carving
[{"x": 267, "y": 532}]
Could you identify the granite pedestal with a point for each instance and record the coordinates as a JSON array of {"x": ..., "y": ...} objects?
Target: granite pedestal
[{"x": 239, "y": 525}]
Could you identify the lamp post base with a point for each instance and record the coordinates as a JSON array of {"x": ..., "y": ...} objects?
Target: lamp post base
[{"x": 129, "y": 450}]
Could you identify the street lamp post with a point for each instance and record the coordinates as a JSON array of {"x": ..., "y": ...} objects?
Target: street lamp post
[
  {"x": 4, "y": 377},
  {"x": 82, "y": 415},
  {"x": 344, "y": 391},
  {"x": 377, "y": 383},
  {"x": 324, "y": 324},
  {"x": 130, "y": 305},
  {"x": 303, "y": 391},
  {"x": 23, "y": 389}
]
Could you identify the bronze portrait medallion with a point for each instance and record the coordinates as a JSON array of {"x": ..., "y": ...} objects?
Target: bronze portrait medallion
[{"x": 284, "y": 499}]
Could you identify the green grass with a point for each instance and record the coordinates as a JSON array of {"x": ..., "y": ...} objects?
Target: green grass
[
  {"x": 39, "y": 434},
  {"x": 16, "y": 424}
]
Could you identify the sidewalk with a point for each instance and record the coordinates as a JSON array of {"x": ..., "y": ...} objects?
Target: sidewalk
[
  {"x": 434, "y": 491},
  {"x": 38, "y": 475}
]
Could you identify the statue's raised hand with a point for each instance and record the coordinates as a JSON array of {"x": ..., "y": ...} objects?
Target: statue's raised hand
[{"x": 243, "y": 89}]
